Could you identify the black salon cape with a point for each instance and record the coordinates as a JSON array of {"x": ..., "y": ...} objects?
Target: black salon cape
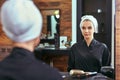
[
  {"x": 90, "y": 58},
  {"x": 22, "y": 65}
]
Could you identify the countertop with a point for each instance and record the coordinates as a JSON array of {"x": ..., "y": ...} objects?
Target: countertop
[{"x": 98, "y": 76}]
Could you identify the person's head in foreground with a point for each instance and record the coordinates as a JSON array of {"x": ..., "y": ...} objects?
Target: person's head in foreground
[{"x": 22, "y": 22}]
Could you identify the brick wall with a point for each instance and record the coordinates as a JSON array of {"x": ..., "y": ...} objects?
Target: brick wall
[
  {"x": 65, "y": 7},
  {"x": 117, "y": 42}
]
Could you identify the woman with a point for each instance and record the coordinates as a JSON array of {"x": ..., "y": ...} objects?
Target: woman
[{"x": 89, "y": 54}]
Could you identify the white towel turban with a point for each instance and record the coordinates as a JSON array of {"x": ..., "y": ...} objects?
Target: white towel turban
[
  {"x": 92, "y": 19},
  {"x": 21, "y": 20}
]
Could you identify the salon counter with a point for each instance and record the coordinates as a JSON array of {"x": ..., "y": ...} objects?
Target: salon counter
[
  {"x": 98, "y": 76},
  {"x": 57, "y": 58},
  {"x": 53, "y": 51}
]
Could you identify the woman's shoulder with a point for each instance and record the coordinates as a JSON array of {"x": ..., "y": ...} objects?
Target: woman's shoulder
[
  {"x": 77, "y": 44},
  {"x": 100, "y": 43}
]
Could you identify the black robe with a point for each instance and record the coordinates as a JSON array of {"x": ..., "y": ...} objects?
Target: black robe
[
  {"x": 22, "y": 65},
  {"x": 89, "y": 58}
]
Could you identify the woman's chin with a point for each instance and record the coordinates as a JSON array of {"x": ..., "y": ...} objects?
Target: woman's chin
[{"x": 87, "y": 37}]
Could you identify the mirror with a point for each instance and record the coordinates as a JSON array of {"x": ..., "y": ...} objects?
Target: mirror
[
  {"x": 102, "y": 12},
  {"x": 51, "y": 23}
]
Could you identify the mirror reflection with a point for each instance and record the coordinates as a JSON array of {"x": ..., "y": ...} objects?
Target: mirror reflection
[{"x": 51, "y": 20}]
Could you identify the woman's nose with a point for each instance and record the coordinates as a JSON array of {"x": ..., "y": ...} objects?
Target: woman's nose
[{"x": 86, "y": 30}]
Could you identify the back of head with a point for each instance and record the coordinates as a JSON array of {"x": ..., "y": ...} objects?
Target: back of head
[{"x": 21, "y": 20}]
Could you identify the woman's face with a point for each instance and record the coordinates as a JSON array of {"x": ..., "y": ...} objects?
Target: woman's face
[{"x": 87, "y": 29}]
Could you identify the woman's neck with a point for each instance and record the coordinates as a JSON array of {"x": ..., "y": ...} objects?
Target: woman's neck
[{"x": 88, "y": 41}]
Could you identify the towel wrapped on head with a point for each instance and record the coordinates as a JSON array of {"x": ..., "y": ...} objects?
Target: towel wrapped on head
[
  {"x": 21, "y": 20},
  {"x": 92, "y": 19}
]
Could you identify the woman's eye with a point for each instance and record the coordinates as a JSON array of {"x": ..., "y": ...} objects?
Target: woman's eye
[
  {"x": 90, "y": 27},
  {"x": 83, "y": 27}
]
